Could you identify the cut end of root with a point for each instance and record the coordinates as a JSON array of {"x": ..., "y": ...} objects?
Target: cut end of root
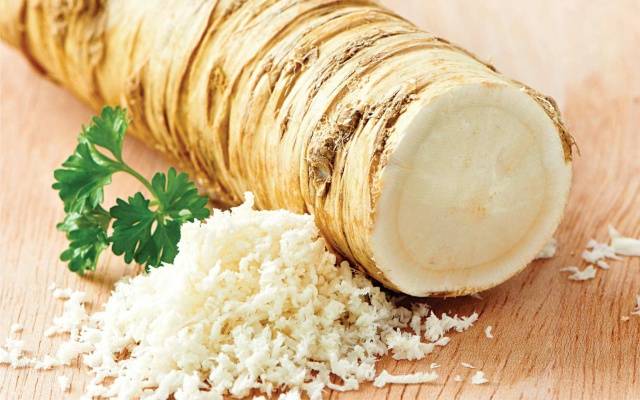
[{"x": 474, "y": 189}]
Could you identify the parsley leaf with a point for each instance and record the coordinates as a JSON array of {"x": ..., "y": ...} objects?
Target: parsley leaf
[
  {"x": 84, "y": 174},
  {"x": 107, "y": 130},
  {"x": 87, "y": 234},
  {"x": 82, "y": 177},
  {"x": 151, "y": 237},
  {"x": 144, "y": 231},
  {"x": 142, "y": 235},
  {"x": 178, "y": 196}
]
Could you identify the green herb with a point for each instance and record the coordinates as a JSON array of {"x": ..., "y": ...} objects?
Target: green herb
[{"x": 145, "y": 231}]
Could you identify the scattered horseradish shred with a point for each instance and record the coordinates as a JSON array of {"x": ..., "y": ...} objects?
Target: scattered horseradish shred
[
  {"x": 624, "y": 246},
  {"x": 73, "y": 316},
  {"x": 70, "y": 322},
  {"x": 467, "y": 365},
  {"x": 457, "y": 378},
  {"x": 411, "y": 379},
  {"x": 613, "y": 232},
  {"x": 16, "y": 328},
  {"x": 13, "y": 354},
  {"x": 434, "y": 366},
  {"x": 253, "y": 302},
  {"x": 597, "y": 253},
  {"x": 580, "y": 275},
  {"x": 487, "y": 332},
  {"x": 478, "y": 378},
  {"x": 62, "y": 293},
  {"x": 48, "y": 362},
  {"x": 64, "y": 382},
  {"x": 549, "y": 250}
]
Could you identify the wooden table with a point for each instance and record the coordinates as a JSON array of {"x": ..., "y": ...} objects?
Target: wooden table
[{"x": 553, "y": 338}]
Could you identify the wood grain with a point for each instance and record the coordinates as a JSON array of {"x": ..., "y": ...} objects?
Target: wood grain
[{"x": 553, "y": 338}]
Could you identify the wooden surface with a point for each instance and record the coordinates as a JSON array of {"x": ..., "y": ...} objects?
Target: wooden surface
[{"x": 553, "y": 338}]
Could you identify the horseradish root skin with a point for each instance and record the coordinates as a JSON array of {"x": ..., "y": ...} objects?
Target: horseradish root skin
[{"x": 419, "y": 162}]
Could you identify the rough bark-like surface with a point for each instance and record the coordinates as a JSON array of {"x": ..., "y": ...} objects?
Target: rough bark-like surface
[{"x": 294, "y": 100}]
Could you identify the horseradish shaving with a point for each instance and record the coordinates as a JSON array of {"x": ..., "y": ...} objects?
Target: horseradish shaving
[{"x": 253, "y": 303}]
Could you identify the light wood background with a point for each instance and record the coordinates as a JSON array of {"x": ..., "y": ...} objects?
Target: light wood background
[{"x": 553, "y": 338}]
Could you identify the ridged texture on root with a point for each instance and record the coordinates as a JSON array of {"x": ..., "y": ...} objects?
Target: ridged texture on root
[{"x": 297, "y": 101}]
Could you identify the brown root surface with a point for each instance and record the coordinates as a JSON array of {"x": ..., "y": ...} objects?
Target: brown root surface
[{"x": 295, "y": 101}]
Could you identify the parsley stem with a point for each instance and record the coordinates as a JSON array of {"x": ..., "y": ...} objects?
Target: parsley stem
[
  {"x": 144, "y": 181},
  {"x": 145, "y": 228}
]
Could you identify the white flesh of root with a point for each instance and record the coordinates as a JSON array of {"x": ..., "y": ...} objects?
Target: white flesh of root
[{"x": 473, "y": 191}]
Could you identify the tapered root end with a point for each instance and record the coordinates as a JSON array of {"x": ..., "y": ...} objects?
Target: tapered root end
[{"x": 473, "y": 190}]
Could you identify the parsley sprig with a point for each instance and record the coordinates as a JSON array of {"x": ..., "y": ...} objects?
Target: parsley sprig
[{"x": 145, "y": 231}]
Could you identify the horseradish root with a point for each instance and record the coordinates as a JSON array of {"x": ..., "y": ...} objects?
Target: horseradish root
[{"x": 420, "y": 163}]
